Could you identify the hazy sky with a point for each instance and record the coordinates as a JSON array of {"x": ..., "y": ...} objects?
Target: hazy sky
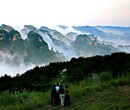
[{"x": 65, "y": 12}]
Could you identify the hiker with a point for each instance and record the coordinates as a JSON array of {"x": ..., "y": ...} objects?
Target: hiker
[
  {"x": 57, "y": 88},
  {"x": 67, "y": 96},
  {"x": 53, "y": 95},
  {"x": 62, "y": 95}
]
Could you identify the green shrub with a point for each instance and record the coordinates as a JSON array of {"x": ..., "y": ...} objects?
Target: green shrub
[
  {"x": 105, "y": 76},
  {"x": 23, "y": 100},
  {"x": 7, "y": 98}
]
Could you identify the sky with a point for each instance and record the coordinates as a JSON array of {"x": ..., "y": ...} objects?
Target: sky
[{"x": 65, "y": 12}]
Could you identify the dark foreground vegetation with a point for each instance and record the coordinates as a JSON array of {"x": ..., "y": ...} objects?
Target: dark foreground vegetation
[{"x": 96, "y": 83}]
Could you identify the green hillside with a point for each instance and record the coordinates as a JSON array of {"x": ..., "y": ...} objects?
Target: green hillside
[
  {"x": 89, "y": 94},
  {"x": 96, "y": 83}
]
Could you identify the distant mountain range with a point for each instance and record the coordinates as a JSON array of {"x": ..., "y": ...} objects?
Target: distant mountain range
[{"x": 37, "y": 46}]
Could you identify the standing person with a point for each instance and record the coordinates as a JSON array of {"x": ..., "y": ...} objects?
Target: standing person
[
  {"x": 62, "y": 95},
  {"x": 67, "y": 96},
  {"x": 57, "y": 88},
  {"x": 53, "y": 95}
]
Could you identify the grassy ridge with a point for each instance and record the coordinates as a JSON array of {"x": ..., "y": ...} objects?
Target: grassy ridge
[{"x": 100, "y": 92}]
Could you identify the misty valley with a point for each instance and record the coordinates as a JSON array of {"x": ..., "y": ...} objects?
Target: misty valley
[{"x": 23, "y": 48}]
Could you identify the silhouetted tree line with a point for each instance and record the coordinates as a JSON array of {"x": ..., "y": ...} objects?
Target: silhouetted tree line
[
  {"x": 77, "y": 69},
  {"x": 116, "y": 63}
]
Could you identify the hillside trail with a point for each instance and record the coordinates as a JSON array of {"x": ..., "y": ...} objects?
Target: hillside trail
[{"x": 108, "y": 96}]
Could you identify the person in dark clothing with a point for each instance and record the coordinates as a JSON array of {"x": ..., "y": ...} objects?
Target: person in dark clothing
[
  {"x": 67, "y": 96},
  {"x": 57, "y": 99},
  {"x": 62, "y": 95},
  {"x": 55, "y": 94}
]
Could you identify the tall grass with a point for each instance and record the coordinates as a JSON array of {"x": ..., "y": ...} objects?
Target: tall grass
[
  {"x": 105, "y": 76},
  {"x": 23, "y": 100},
  {"x": 123, "y": 79}
]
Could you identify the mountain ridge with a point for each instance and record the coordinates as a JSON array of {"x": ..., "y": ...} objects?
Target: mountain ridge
[{"x": 61, "y": 43}]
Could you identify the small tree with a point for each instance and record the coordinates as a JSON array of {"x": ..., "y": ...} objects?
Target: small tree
[{"x": 75, "y": 75}]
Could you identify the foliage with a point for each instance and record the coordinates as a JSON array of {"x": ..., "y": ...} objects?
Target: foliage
[
  {"x": 77, "y": 69},
  {"x": 22, "y": 100},
  {"x": 75, "y": 74},
  {"x": 105, "y": 76}
]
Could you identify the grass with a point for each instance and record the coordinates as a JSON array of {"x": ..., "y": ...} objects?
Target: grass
[
  {"x": 93, "y": 93},
  {"x": 23, "y": 100}
]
